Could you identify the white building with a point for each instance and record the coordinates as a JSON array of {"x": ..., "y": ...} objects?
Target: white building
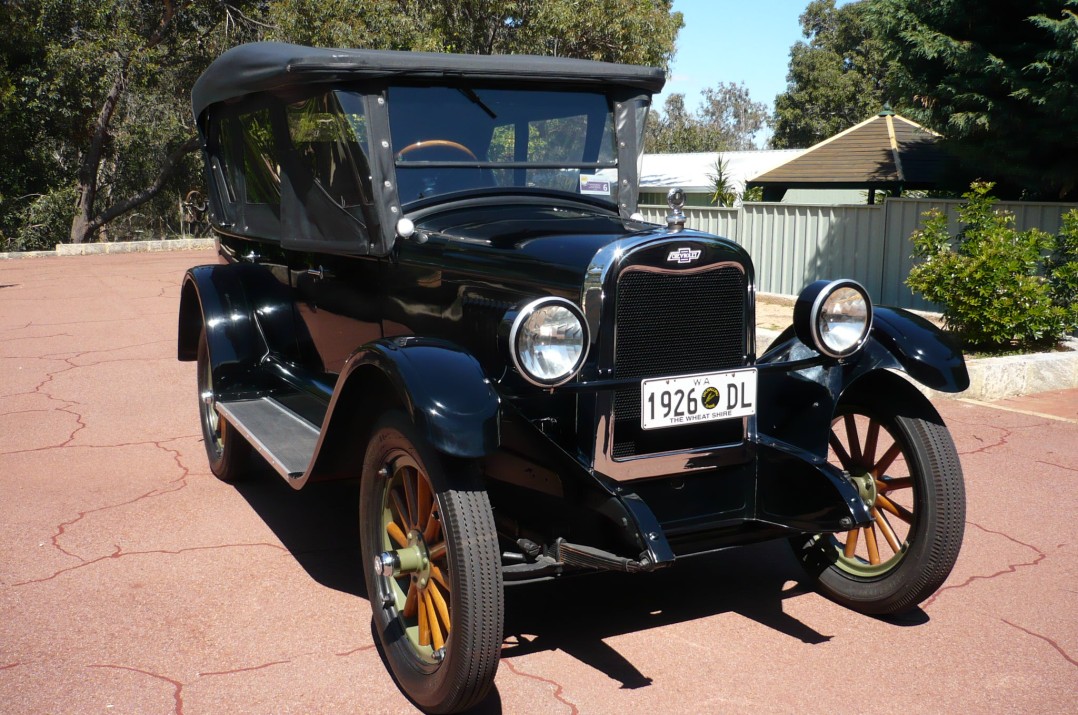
[{"x": 692, "y": 172}]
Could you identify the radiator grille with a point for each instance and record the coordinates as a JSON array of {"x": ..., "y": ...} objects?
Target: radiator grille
[{"x": 672, "y": 324}]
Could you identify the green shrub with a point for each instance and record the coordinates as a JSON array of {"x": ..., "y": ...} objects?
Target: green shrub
[
  {"x": 47, "y": 221},
  {"x": 1063, "y": 266},
  {"x": 1000, "y": 287}
]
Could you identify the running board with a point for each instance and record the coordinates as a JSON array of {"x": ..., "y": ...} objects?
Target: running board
[{"x": 283, "y": 438}]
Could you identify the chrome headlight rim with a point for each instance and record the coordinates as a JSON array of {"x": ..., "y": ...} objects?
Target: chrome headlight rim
[
  {"x": 809, "y": 307},
  {"x": 520, "y": 316}
]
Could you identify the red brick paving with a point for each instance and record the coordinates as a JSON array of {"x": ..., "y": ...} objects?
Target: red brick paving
[{"x": 133, "y": 581}]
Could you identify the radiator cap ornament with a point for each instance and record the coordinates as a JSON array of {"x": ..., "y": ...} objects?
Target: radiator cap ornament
[{"x": 675, "y": 199}]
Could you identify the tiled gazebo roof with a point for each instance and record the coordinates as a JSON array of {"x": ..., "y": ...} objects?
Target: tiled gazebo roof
[{"x": 885, "y": 152}]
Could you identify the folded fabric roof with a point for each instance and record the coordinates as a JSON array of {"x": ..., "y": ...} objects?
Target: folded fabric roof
[{"x": 262, "y": 66}]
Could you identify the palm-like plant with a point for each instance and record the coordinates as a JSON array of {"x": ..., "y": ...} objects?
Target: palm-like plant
[{"x": 722, "y": 189}]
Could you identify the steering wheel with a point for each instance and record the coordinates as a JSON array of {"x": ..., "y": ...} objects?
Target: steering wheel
[{"x": 431, "y": 143}]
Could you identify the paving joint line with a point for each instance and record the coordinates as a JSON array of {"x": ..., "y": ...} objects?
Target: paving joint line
[{"x": 1005, "y": 408}]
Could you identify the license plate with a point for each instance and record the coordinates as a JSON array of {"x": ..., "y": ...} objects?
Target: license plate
[{"x": 692, "y": 399}]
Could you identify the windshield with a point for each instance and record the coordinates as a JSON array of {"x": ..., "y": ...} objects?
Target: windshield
[{"x": 448, "y": 139}]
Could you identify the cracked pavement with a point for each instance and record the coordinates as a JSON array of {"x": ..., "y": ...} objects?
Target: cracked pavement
[{"x": 133, "y": 581}]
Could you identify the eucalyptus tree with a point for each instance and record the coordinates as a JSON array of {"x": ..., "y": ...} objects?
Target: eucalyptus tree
[{"x": 96, "y": 93}]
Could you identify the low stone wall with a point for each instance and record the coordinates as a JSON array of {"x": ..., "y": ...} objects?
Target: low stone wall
[
  {"x": 16, "y": 255},
  {"x": 171, "y": 244},
  {"x": 90, "y": 249},
  {"x": 999, "y": 377}
]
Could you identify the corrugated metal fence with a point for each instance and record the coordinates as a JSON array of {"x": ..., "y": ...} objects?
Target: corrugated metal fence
[{"x": 792, "y": 245}]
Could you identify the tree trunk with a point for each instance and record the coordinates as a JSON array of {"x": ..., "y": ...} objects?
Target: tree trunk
[
  {"x": 85, "y": 224},
  {"x": 116, "y": 210},
  {"x": 91, "y": 160}
]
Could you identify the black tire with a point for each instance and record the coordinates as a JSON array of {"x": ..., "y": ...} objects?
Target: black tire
[
  {"x": 917, "y": 496},
  {"x": 228, "y": 452},
  {"x": 461, "y": 582}
]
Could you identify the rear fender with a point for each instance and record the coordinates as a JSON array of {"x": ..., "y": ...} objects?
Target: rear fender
[
  {"x": 214, "y": 297},
  {"x": 247, "y": 311}
]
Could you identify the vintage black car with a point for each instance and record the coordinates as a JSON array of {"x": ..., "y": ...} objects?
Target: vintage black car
[{"x": 432, "y": 278}]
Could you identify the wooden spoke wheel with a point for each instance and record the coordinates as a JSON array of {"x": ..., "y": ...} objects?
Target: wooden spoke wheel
[
  {"x": 415, "y": 572},
  {"x": 881, "y": 473},
  {"x": 907, "y": 473},
  {"x": 228, "y": 452},
  {"x": 432, "y": 568}
]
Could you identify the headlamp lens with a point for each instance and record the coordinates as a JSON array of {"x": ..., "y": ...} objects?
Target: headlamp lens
[
  {"x": 843, "y": 320},
  {"x": 550, "y": 343}
]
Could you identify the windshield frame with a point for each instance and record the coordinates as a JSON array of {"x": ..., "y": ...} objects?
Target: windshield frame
[
  {"x": 628, "y": 105},
  {"x": 599, "y": 132}
]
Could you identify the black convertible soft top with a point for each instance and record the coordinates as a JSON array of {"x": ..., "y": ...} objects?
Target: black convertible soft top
[{"x": 262, "y": 66}]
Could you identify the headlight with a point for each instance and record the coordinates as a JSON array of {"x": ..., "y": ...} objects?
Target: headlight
[
  {"x": 548, "y": 341},
  {"x": 834, "y": 317}
]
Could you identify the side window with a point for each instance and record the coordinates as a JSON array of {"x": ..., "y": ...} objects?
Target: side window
[
  {"x": 329, "y": 139},
  {"x": 561, "y": 138},
  {"x": 223, "y": 146},
  {"x": 261, "y": 166},
  {"x": 558, "y": 139}
]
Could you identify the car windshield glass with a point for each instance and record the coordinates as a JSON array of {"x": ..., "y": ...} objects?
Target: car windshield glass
[{"x": 448, "y": 139}]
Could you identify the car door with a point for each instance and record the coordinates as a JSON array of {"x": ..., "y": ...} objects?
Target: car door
[{"x": 327, "y": 215}]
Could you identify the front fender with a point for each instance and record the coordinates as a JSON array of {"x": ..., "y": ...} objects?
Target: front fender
[
  {"x": 918, "y": 348},
  {"x": 442, "y": 387},
  {"x": 803, "y": 491},
  {"x": 923, "y": 351},
  {"x": 800, "y": 389}
]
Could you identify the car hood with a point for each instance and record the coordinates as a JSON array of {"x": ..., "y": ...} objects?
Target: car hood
[{"x": 547, "y": 247}]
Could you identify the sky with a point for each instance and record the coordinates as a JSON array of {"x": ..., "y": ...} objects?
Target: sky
[{"x": 734, "y": 41}]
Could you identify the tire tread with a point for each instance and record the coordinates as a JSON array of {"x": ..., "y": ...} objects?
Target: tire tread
[
  {"x": 929, "y": 561},
  {"x": 473, "y": 651}
]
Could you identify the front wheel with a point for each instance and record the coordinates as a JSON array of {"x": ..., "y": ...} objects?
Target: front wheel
[
  {"x": 908, "y": 474},
  {"x": 432, "y": 568}
]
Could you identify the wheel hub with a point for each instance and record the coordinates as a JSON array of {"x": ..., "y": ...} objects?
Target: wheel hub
[
  {"x": 866, "y": 488},
  {"x": 413, "y": 560},
  {"x": 211, "y": 408},
  {"x": 209, "y": 401}
]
